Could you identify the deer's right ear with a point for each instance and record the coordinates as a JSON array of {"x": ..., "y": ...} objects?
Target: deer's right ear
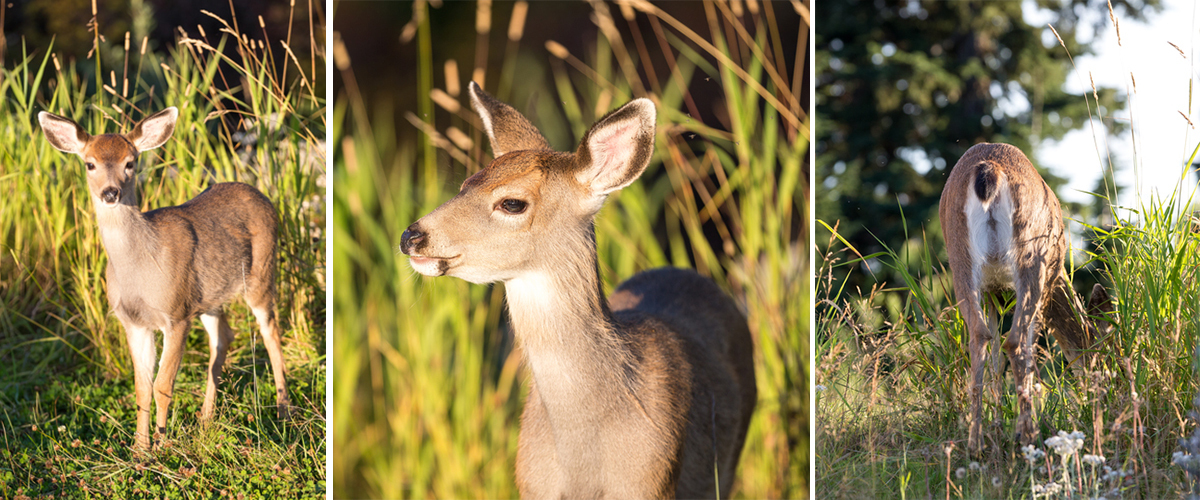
[
  {"x": 154, "y": 130},
  {"x": 506, "y": 129},
  {"x": 65, "y": 135}
]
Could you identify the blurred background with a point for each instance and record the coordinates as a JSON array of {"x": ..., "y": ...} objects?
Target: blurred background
[
  {"x": 904, "y": 90},
  {"x": 68, "y": 24},
  {"x": 429, "y": 388}
]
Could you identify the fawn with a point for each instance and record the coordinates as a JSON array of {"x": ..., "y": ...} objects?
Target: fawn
[
  {"x": 1004, "y": 230},
  {"x": 642, "y": 396},
  {"x": 169, "y": 265}
]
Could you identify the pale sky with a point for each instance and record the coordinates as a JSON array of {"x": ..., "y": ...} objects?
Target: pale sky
[{"x": 1163, "y": 137}]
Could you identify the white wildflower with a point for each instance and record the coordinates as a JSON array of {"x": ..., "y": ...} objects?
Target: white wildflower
[
  {"x": 961, "y": 472},
  {"x": 1093, "y": 460},
  {"x": 1032, "y": 454},
  {"x": 1066, "y": 444}
]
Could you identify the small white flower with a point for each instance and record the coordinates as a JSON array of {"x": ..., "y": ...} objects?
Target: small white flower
[
  {"x": 820, "y": 388},
  {"x": 974, "y": 465},
  {"x": 961, "y": 472},
  {"x": 62, "y": 428},
  {"x": 1032, "y": 454},
  {"x": 1066, "y": 444},
  {"x": 995, "y": 482},
  {"x": 1093, "y": 460}
]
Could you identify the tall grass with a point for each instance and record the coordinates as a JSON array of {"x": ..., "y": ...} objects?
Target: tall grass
[
  {"x": 429, "y": 388},
  {"x": 65, "y": 357},
  {"x": 892, "y": 362}
]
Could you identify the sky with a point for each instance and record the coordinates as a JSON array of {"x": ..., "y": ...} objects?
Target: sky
[{"x": 1163, "y": 138}]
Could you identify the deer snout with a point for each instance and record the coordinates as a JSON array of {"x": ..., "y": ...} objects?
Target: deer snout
[
  {"x": 412, "y": 239},
  {"x": 110, "y": 195}
]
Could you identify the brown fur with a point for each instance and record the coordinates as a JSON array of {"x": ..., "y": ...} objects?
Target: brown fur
[
  {"x": 1031, "y": 263},
  {"x": 170, "y": 265},
  {"x": 637, "y": 397}
]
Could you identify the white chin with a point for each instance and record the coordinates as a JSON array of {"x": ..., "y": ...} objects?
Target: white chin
[{"x": 425, "y": 265}]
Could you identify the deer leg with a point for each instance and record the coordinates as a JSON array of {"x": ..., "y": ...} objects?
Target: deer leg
[
  {"x": 1019, "y": 346},
  {"x": 168, "y": 366},
  {"x": 972, "y": 312},
  {"x": 143, "y": 353},
  {"x": 219, "y": 336},
  {"x": 265, "y": 314}
]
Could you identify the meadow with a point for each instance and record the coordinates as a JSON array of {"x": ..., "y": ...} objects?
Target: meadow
[
  {"x": 429, "y": 386},
  {"x": 250, "y": 111},
  {"x": 892, "y": 364}
]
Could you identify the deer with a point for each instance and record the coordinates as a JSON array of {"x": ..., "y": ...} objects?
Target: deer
[
  {"x": 644, "y": 395},
  {"x": 1004, "y": 231},
  {"x": 170, "y": 265}
]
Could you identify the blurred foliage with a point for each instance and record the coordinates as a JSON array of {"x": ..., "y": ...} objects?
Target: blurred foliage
[
  {"x": 72, "y": 29},
  {"x": 904, "y": 89}
]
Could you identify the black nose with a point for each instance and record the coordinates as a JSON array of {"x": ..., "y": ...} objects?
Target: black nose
[
  {"x": 110, "y": 195},
  {"x": 411, "y": 239}
]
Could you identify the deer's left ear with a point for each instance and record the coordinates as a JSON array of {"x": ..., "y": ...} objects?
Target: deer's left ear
[
  {"x": 154, "y": 130},
  {"x": 616, "y": 150}
]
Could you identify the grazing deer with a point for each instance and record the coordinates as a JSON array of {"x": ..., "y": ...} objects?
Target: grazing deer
[
  {"x": 642, "y": 396},
  {"x": 169, "y": 265},
  {"x": 1003, "y": 228}
]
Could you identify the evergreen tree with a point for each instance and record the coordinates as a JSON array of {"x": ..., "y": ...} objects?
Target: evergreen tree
[{"x": 905, "y": 88}]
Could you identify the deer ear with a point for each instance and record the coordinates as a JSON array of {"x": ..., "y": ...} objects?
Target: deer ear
[
  {"x": 65, "y": 135},
  {"x": 154, "y": 130},
  {"x": 616, "y": 150},
  {"x": 1100, "y": 303},
  {"x": 506, "y": 129}
]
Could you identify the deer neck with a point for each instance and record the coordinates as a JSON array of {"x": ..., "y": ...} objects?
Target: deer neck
[
  {"x": 127, "y": 236},
  {"x": 563, "y": 324}
]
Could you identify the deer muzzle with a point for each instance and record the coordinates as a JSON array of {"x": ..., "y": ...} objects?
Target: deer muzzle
[
  {"x": 111, "y": 195},
  {"x": 412, "y": 239}
]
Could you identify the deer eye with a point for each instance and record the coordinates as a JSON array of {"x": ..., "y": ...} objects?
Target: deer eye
[
  {"x": 513, "y": 206},
  {"x": 129, "y": 166},
  {"x": 90, "y": 166}
]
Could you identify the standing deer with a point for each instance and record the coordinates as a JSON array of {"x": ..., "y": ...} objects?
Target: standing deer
[
  {"x": 642, "y": 396},
  {"x": 169, "y": 265},
  {"x": 1003, "y": 228}
]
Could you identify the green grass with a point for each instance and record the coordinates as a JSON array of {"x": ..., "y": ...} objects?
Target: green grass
[
  {"x": 67, "y": 412},
  {"x": 429, "y": 390},
  {"x": 892, "y": 361}
]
